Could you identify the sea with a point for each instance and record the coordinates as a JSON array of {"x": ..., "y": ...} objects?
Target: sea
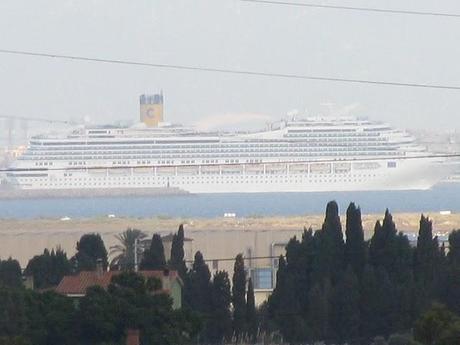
[{"x": 443, "y": 197}]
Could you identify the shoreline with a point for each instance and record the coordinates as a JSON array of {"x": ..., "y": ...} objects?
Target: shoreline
[
  {"x": 215, "y": 237},
  {"x": 20, "y": 194},
  {"x": 406, "y": 222}
]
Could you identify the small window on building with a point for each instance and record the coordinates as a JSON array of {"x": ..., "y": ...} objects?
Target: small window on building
[{"x": 262, "y": 278}]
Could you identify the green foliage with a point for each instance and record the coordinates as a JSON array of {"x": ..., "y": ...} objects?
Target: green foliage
[
  {"x": 123, "y": 252},
  {"x": 219, "y": 326},
  {"x": 154, "y": 257},
  {"x": 384, "y": 287},
  {"x": 437, "y": 326},
  {"x": 329, "y": 254},
  {"x": 51, "y": 319},
  {"x": 48, "y": 269},
  {"x": 402, "y": 339},
  {"x": 198, "y": 293},
  {"x": 90, "y": 249},
  {"x": 355, "y": 246},
  {"x": 16, "y": 340},
  {"x": 13, "y": 320},
  {"x": 10, "y": 273},
  {"x": 98, "y": 317},
  {"x": 319, "y": 311},
  {"x": 451, "y": 286},
  {"x": 238, "y": 297},
  {"x": 177, "y": 261},
  {"x": 346, "y": 314},
  {"x": 252, "y": 325}
]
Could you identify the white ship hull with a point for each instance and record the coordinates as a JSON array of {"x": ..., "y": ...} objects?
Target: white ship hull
[
  {"x": 403, "y": 174},
  {"x": 304, "y": 155}
]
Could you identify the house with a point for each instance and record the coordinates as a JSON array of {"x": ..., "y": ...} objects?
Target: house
[{"x": 75, "y": 286}]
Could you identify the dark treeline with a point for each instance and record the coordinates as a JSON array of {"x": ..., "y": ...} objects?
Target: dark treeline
[
  {"x": 332, "y": 286},
  {"x": 350, "y": 291}
]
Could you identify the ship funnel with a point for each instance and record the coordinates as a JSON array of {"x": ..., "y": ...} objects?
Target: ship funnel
[{"x": 151, "y": 109}]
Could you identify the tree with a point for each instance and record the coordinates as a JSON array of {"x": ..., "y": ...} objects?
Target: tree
[
  {"x": 381, "y": 248},
  {"x": 177, "y": 261},
  {"x": 319, "y": 311},
  {"x": 99, "y": 321},
  {"x": 454, "y": 248},
  {"x": 220, "y": 322},
  {"x": 198, "y": 292},
  {"x": 402, "y": 339},
  {"x": 238, "y": 297},
  {"x": 437, "y": 326},
  {"x": 451, "y": 286},
  {"x": 154, "y": 257},
  {"x": 346, "y": 313},
  {"x": 90, "y": 249},
  {"x": 13, "y": 320},
  {"x": 137, "y": 306},
  {"x": 251, "y": 314},
  {"x": 370, "y": 319},
  {"x": 48, "y": 269},
  {"x": 355, "y": 246},
  {"x": 426, "y": 253},
  {"x": 329, "y": 255},
  {"x": 10, "y": 273},
  {"x": 200, "y": 285},
  {"x": 123, "y": 252},
  {"x": 51, "y": 319}
]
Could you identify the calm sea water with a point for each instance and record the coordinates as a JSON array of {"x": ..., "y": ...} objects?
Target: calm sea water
[{"x": 441, "y": 197}]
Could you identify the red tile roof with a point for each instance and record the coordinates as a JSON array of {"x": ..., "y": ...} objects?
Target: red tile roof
[{"x": 78, "y": 284}]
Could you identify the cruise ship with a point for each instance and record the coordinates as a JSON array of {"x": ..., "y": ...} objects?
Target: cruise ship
[{"x": 311, "y": 154}]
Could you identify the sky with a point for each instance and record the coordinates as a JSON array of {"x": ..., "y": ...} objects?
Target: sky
[{"x": 230, "y": 34}]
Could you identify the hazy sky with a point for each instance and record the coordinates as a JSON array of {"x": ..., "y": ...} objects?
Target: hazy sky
[{"x": 234, "y": 35}]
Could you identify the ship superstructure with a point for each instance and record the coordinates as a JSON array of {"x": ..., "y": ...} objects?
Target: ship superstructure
[{"x": 294, "y": 155}]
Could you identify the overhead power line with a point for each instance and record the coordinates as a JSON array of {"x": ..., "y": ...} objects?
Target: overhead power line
[
  {"x": 233, "y": 259},
  {"x": 352, "y": 8},
  {"x": 233, "y": 71},
  {"x": 32, "y": 119}
]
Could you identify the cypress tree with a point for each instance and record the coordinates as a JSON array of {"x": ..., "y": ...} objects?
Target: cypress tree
[
  {"x": 369, "y": 303},
  {"x": 199, "y": 294},
  {"x": 386, "y": 308},
  {"x": 238, "y": 297},
  {"x": 200, "y": 277},
  {"x": 284, "y": 306},
  {"x": 454, "y": 248},
  {"x": 355, "y": 246},
  {"x": 329, "y": 245},
  {"x": 154, "y": 257},
  {"x": 452, "y": 288},
  {"x": 346, "y": 313},
  {"x": 177, "y": 261},
  {"x": 381, "y": 244},
  {"x": 426, "y": 252},
  {"x": 251, "y": 314},
  {"x": 220, "y": 322},
  {"x": 319, "y": 312}
]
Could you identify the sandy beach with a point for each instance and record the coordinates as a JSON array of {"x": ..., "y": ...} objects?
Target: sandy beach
[{"x": 22, "y": 239}]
